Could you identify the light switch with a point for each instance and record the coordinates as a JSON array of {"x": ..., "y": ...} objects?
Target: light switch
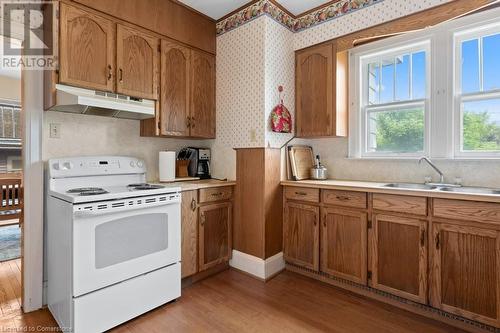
[{"x": 55, "y": 131}]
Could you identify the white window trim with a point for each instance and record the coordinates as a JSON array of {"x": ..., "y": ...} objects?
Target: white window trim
[
  {"x": 358, "y": 93},
  {"x": 471, "y": 32},
  {"x": 441, "y": 106},
  {"x": 363, "y": 96}
]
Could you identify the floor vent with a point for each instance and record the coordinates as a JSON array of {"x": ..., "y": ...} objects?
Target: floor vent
[{"x": 423, "y": 307}]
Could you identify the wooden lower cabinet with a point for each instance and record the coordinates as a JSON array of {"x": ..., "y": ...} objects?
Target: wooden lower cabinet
[
  {"x": 446, "y": 254},
  {"x": 399, "y": 256},
  {"x": 301, "y": 235},
  {"x": 214, "y": 234},
  {"x": 344, "y": 244},
  {"x": 466, "y": 271},
  {"x": 189, "y": 232}
]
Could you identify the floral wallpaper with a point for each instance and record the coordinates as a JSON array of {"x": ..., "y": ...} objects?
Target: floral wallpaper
[{"x": 266, "y": 7}]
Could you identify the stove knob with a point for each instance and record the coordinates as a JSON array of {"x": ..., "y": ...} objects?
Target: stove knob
[
  {"x": 67, "y": 165},
  {"x": 132, "y": 164},
  {"x": 140, "y": 164}
]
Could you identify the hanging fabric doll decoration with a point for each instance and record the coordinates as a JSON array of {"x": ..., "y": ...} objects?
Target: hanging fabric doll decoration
[{"x": 281, "y": 120}]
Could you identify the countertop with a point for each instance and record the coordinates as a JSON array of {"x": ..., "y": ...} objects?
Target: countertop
[
  {"x": 191, "y": 185},
  {"x": 375, "y": 187}
]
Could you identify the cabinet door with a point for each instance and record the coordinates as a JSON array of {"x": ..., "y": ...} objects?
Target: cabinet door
[
  {"x": 189, "y": 227},
  {"x": 137, "y": 61},
  {"x": 202, "y": 95},
  {"x": 174, "y": 89},
  {"x": 87, "y": 49},
  {"x": 399, "y": 257},
  {"x": 301, "y": 235},
  {"x": 466, "y": 272},
  {"x": 214, "y": 234},
  {"x": 344, "y": 244},
  {"x": 315, "y": 91}
]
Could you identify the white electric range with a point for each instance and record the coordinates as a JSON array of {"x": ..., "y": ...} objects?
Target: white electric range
[{"x": 113, "y": 242}]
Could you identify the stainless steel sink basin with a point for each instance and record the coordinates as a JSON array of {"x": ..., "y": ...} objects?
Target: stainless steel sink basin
[
  {"x": 473, "y": 190},
  {"x": 411, "y": 186}
]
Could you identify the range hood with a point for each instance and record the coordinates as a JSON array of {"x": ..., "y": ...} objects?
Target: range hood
[{"x": 84, "y": 101}]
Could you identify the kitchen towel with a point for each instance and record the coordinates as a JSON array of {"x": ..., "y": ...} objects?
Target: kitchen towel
[{"x": 167, "y": 166}]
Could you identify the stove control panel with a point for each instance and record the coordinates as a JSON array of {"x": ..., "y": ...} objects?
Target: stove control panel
[{"x": 94, "y": 166}]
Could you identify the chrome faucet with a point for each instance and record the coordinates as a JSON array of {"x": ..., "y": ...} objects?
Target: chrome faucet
[{"x": 441, "y": 175}]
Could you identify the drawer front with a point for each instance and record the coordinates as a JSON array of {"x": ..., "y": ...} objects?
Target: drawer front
[
  {"x": 302, "y": 194},
  {"x": 344, "y": 198},
  {"x": 467, "y": 210},
  {"x": 216, "y": 194},
  {"x": 400, "y": 204}
]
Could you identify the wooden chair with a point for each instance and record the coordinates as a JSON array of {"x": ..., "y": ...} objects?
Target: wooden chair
[{"x": 11, "y": 198}]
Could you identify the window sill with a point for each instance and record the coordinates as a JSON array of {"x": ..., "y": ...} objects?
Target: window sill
[{"x": 444, "y": 159}]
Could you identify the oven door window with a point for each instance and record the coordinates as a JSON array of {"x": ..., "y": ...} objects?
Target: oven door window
[{"x": 129, "y": 238}]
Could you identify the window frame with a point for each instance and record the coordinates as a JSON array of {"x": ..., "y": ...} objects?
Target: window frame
[
  {"x": 363, "y": 59},
  {"x": 476, "y": 31},
  {"x": 443, "y": 119}
]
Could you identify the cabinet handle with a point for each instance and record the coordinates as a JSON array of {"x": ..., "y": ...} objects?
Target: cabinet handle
[
  {"x": 110, "y": 72},
  {"x": 217, "y": 194},
  {"x": 202, "y": 219},
  {"x": 193, "y": 205},
  {"x": 437, "y": 241},
  {"x": 422, "y": 238},
  {"x": 188, "y": 122},
  {"x": 121, "y": 75},
  {"x": 342, "y": 198},
  {"x": 301, "y": 193},
  {"x": 192, "y": 122}
]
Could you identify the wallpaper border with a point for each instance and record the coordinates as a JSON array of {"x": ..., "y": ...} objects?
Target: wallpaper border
[{"x": 267, "y": 7}]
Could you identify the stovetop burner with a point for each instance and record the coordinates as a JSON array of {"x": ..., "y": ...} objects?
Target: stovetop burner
[
  {"x": 144, "y": 186},
  {"x": 85, "y": 191}
]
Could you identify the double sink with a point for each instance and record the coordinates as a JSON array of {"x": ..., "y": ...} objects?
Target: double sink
[{"x": 444, "y": 188}]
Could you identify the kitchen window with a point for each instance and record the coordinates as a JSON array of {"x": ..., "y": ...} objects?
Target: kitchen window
[
  {"x": 434, "y": 92},
  {"x": 394, "y": 108},
  {"x": 477, "y": 92}
]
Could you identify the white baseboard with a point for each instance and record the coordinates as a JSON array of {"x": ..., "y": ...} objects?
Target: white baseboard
[{"x": 263, "y": 269}]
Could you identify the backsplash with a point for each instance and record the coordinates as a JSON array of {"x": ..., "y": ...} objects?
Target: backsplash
[
  {"x": 83, "y": 135},
  {"x": 334, "y": 154}
]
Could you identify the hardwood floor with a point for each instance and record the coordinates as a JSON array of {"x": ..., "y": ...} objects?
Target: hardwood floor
[
  {"x": 234, "y": 302},
  {"x": 10, "y": 286}
]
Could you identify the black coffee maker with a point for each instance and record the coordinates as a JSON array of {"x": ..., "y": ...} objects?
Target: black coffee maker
[{"x": 199, "y": 161}]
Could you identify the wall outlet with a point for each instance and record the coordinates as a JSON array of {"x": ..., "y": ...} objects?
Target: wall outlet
[
  {"x": 55, "y": 131},
  {"x": 253, "y": 135}
]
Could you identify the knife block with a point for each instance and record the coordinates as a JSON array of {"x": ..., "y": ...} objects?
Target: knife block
[{"x": 181, "y": 168}]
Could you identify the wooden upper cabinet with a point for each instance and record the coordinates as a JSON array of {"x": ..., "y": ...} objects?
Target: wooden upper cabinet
[
  {"x": 189, "y": 232},
  {"x": 320, "y": 110},
  {"x": 344, "y": 244},
  {"x": 202, "y": 95},
  {"x": 301, "y": 235},
  {"x": 466, "y": 271},
  {"x": 214, "y": 234},
  {"x": 315, "y": 91},
  {"x": 87, "y": 49},
  {"x": 137, "y": 63},
  {"x": 399, "y": 256},
  {"x": 174, "y": 89}
]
